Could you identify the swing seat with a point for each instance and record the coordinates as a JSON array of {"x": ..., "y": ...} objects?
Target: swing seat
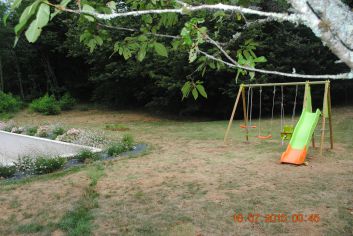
[
  {"x": 287, "y": 132},
  {"x": 249, "y": 126},
  {"x": 264, "y": 137}
]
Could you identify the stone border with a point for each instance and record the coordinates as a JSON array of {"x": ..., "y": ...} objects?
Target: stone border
[{"x": 68, "y": 155}]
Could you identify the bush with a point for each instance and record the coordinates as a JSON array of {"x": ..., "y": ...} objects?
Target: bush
[
  {"x": 58, "y": 130},
  {"x": 43, "y": 131},
  {"x": 115, "y": 149},
  {"x": 45, "y": 165},
  {"x": 118, "y": 148},
  {"x": 128, "y": 141},
  {"x": 46, "y": 105},
  {"x": 25, "y": 165},
  {"x": 87, "y": 155},
  {"x": 67, "y": 102},
  {"x": 7, "y": 171},
  {"x": 9, "y": 103},
  {"x": 31, "y": 131}
]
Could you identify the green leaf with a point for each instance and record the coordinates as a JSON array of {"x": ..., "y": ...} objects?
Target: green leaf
[
  {"x": 42, "y": 19},
  {"x": 63, "y": 3},
  {"x": 112, "y": 5},
  {"x": 195, "y": 93},
  {"x": 260, "y": 59},
  {"x": 160, "y": 49},
  {"x": 201, "y": 90},
  {"x": 252, "y": 75},
  {"x": 141, "y": 54},
  {"x": 186, "y": 89},
  {"x": 33, "y": 32},
  {"x": 27, "y": 15},
  {"x": 88, "y": 8},
  {"x": 192, "y": 55},
  {"x": 238, "y": 16},
  {"x": 99, "y": 40}
]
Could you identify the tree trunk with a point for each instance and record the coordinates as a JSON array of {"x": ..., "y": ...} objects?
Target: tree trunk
[
  {"x": 52, "y": 84},
  {"x": 19, "y": 76},
  {"x": 1, "y": 77}
]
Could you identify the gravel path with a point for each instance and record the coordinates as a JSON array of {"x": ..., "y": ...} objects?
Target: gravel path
[{"x": 13, "y": 146}]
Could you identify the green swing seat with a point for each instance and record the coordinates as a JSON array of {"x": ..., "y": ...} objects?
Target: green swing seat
[{"x": 287, "y": 132}]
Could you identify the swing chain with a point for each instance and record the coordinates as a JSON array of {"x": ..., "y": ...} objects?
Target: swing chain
[
  {"x": 273, "y": 106},
  {"x": 282, "y": 108},
  {"x": 259, "y": 130},
  {"x": 295, "y": 103}
]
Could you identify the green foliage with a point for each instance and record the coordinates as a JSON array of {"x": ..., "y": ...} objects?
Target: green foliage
[
  {"x": 45, "y": 165},
  {"x": 116, "y": 127},
  {"x": 195, "y": 88},
  {"x": 77, "y": 222},
  {"x": 41, "y": 20},
  {"x": 31, "y": 131},
  {"x": 9, "y": 103},
  {"x": 117, "y": 148},
  {"x": 29, "y": 228},
  {"x": 7, "y": 171},
  {"x": 247, "y": 57},
  {"x": 46, "y": 105},
  {"x": 58, "y": 130},
  {"x": 87, "y": 155},
  {"x": 25, "y": 165},
  {"x": 67, "y": 102},
  {"x": 128, "y": 141}
]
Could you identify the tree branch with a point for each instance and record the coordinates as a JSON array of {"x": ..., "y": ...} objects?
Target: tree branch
[
  {"x": 291, "y": 75},
  {"x": 294, "y": 18}
]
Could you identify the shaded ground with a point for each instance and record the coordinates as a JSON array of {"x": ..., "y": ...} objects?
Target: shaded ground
[{"x": 191, "y": 184}]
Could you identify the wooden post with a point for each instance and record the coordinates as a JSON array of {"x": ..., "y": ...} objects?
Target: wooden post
[
  {"x": 233, "y": 113},
  {"x": 313, "y": 140},
  {"x": 330, "y": 116},
  {"x": 324, "y": 107},
  {"x": 245, "y": 115}
]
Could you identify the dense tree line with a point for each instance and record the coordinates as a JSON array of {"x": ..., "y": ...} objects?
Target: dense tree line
[{"x": 59, "y": 63}]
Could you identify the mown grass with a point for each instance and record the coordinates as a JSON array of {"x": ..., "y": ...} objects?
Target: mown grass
[
  {"x": 190, "y": 183},
  {"x": 79, "y": 221}
]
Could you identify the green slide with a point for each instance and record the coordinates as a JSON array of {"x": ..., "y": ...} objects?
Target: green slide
[{"x": 299, "y": 143}]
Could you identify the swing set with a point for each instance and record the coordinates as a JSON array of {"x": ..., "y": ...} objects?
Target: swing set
[{"x": 287, "y": 130}]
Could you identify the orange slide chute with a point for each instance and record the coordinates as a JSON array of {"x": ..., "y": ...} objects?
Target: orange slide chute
[{"x": 294, "y": 156}]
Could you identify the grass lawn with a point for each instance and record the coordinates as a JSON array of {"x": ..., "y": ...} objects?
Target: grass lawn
[{"x": 188, "y": 183}]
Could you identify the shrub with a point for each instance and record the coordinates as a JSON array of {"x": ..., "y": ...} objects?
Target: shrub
[
  {"x": 9, "y": 103},
  {"x": 87, "y": 155},
  {"x": 31, "y": 131},
  {"x": 115, "y": 149},
  {"x": 58, "y": 130},
  {"x": 25, "y": 165},
  {"x": 8, "y": 126},
  {"x": 128, "y": 141},
  {"x": 67, "y": 102},
  {"x": 43, "y": 131},
  {"x": 45, "y": 165},
  {"x": 118, "y": 148},
  {"x": 7, "y": 171},
  {"x": 46, "y": 105}
]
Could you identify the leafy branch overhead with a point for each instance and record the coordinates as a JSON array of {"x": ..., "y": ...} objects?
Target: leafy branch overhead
[{"x": 164, "y": 27}]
